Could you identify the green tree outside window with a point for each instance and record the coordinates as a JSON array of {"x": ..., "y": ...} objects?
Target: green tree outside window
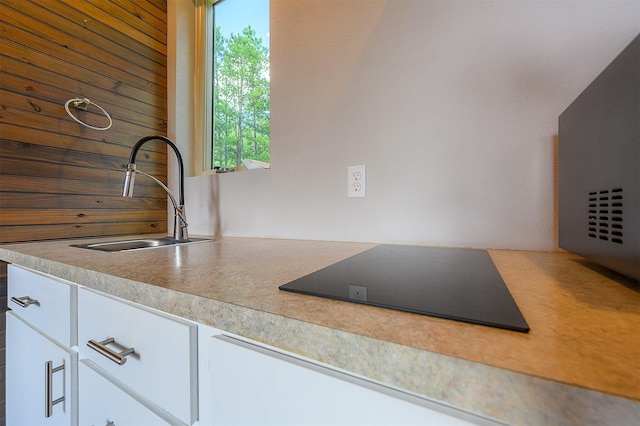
[{"x": 241, "y": 99}]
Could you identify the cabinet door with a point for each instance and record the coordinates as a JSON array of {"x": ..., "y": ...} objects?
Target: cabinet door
[
  {"x": 31, "y": 388},
  {"x": 256, "y": 385},
  {"x": 101, "y": 402}
]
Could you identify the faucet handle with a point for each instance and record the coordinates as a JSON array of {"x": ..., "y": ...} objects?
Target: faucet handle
[{"x": 180, "y": 231}]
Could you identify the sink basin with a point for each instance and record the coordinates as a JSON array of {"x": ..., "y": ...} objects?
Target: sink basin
[{"x": 138, "y": 244}]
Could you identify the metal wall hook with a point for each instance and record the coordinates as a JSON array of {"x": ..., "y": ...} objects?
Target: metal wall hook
[{"x": 82, "y": 104}]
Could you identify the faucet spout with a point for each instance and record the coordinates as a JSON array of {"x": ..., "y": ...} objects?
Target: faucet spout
[
  {"x": 129, "y": 180},
  {"x": 180, "y": 232}
]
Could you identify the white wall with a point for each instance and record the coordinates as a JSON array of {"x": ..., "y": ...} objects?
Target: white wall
[
  {"x": 451, "y": 105},
  {"x": 180, "y": 69}
]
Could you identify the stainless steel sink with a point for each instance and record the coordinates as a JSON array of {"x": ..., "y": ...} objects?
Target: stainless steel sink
[{"x": 138, "y": 244}]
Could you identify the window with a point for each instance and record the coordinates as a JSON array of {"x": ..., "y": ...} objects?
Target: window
[{"x": 240, "y": 98}]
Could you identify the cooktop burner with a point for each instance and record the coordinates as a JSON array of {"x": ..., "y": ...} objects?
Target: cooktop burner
[{"x": 453, "y": 283}]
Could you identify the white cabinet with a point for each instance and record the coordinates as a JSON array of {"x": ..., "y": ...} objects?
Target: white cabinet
[
  {"x": 45, "y": 301},
  {"x": 41, "y": 365},
  {"x": 152, "y": 353},
  {"x": 103, "y": 402},
  {"x": 141, "y": 367},
  {"x": 40, "y": 377},
  {"x": 206, "y": 414},
  {"x": 256, "y": 385}
]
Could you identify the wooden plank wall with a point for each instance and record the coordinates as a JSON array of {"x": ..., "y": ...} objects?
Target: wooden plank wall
[{"x": 59, "y": 179}]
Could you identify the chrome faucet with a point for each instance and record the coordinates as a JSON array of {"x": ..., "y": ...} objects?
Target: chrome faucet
[{"x": 180, "y": 223}]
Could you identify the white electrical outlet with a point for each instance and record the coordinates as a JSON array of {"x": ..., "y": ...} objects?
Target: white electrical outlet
[{"x": 356, "y": 181}]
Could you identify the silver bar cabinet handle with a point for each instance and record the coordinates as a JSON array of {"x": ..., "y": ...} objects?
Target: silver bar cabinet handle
[
  {"x": 49, "y": 402},
  {"x": 117, "y": 357},
  {"x": 24, "y": 301}
]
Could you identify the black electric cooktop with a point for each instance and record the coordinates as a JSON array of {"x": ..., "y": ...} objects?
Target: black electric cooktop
[{"x": 453, "y": 283}]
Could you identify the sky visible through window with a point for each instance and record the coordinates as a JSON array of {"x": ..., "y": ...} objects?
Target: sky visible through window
[{"x": 234, "y": 15}]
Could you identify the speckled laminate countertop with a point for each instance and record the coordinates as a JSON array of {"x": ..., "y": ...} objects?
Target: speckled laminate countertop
[{"x": 579, "y": 364}]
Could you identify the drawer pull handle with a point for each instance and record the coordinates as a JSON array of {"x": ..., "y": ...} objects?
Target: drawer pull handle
[
  {"x": 24, "y": 301},
  {"x": 117, "y": 357},
  {"x": 49, "y": 402}
]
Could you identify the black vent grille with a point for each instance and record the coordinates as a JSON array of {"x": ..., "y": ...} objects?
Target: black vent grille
[{"x": 606, "y": 214}]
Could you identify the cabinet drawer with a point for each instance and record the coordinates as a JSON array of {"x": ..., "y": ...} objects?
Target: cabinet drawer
[
  {"x": 48, "y": 303},
  {"x": 162, "y": 364},
  {"x": 101, "y": 401}
]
